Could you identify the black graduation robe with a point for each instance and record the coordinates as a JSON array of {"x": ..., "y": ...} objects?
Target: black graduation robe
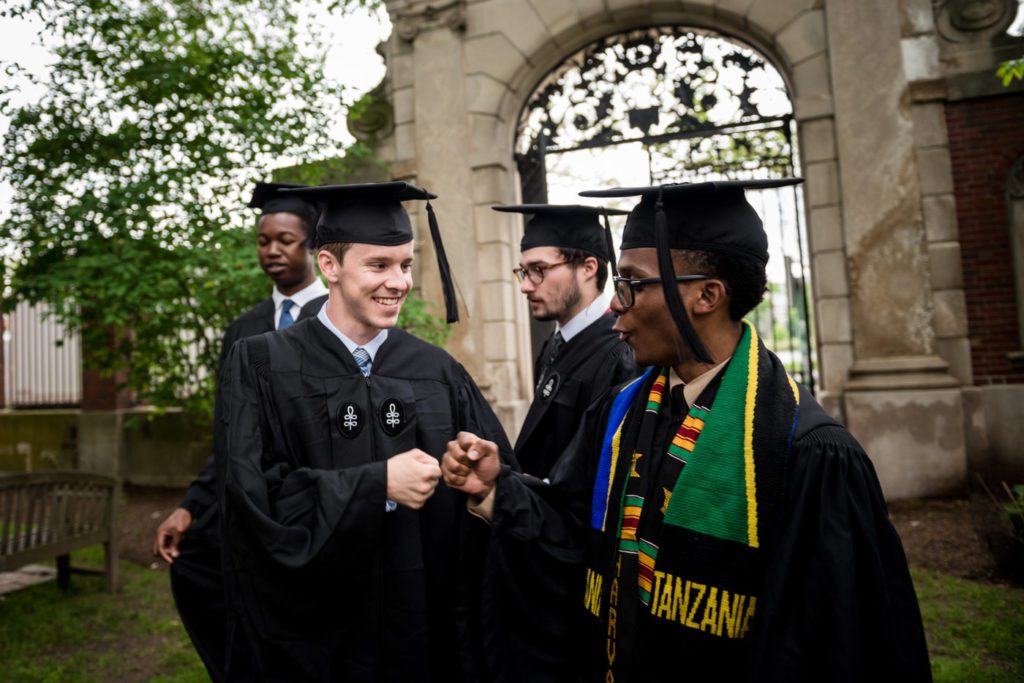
[
  {"x": 585, "y": 367},
  {"x": 196, "y": 575},
  {"x": 326, "y": 584},
  {"x": 833, "y": 599}
]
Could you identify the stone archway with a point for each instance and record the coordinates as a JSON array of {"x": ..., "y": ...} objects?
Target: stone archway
[{"x": 460, "y": 72}]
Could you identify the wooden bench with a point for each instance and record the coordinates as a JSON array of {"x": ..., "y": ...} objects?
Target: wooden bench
[{"x": 50, "y": 514}]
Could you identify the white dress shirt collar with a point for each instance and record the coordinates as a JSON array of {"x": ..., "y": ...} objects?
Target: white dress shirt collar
[
  {"x": 371, "y": 346},
  {"x": 298, "y": 299},
  {"x": 584, "y": 318}
]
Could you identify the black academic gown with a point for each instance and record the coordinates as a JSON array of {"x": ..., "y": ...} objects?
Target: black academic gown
[
  {"x": 834, "y": 598},
  {"x": 327, "y": 585},
  {"x": 586, "y": 366},
  {"x": 196, "y": 581}
]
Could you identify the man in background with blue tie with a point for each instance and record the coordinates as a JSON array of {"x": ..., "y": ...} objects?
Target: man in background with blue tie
[{"x": 187, "y": 539}]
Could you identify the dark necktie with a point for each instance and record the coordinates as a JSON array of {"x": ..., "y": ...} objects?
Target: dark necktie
[
  {"x": 286, "y": 320},
  {"x": 557, "y": 342},
  {"x": 679, "y": 406}
]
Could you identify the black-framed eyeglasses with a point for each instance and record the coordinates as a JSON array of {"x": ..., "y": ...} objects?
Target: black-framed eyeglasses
[
  {"x": 536, "y": 272},
  {"x": 625, "y": 288}
]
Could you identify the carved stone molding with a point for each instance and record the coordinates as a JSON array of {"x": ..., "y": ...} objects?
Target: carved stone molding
[
  {"x": 1015, "y": 181},
  {"x": 962, "y": 21},
  {"x": 373, "y": 117},
  {"x": 410, "y": 22}
]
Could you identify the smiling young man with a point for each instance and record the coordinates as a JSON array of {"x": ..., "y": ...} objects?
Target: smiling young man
[
  {"x": 188, "y": 539},
  {"x": 563, "y": 267},
  {"x": 709, "y": 518},
  {"x": 341, "y": 547}
]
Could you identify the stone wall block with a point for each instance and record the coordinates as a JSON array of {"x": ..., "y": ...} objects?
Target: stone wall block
[
  {"x": 920, "y": 58},
  {"x": 918, "y": 17},
  {"x": 484, "y": 94},
  {"x": 515, "y": 20},
  {"x": 487, "y": 141},
  {"x": 826, "y": 229},
  {"x": 835, "y": 361},
  {"x": 403, "y": 102},
  {"x": 929, "y": 124},
  {"x": 492, "y": 185},
  {"x": 940, "y": 217},
  {"x": 957, "y": 352},
  {"x": 830, "y": 274},
  {"x": 500, "y": 340},
  {"x": 495, "y": 261},
  {"x": 804, "y": 37},
  {"x": 405, "y": 141},
  {"x": 822, "y": 188},
  {"x": 497, "y": 299},
  {"x": 492, "y": 226},
  {"x": 949, "y": 315},
  {"x": 811, "y": 77},
  {"x": 818, "y": 140},
  {"x": 400, "y": 70},
  {"x": 772, "y": 15},
  {"x": 834, "y": 321},
  {"x": 935, "y": 170},
  {"x": 557, "y": 15},
  {"x": 915, "y": 438},
  {"x": 494, "y": 55},
  {"x": 590, "y": 11},
  {"x": 947, "y": 272},
  {"x": 733, "y": 9}
]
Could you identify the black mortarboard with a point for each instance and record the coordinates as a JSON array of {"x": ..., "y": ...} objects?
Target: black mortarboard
[
  {"x": 265, "y": 196},
  {"x": 566, "y": 227},
  {"x": 372, "y": 213},
  {"x": 713, "y": 216}
]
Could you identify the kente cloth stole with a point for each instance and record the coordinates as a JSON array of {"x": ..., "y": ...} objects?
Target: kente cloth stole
[{"x": 716, "y": 492}]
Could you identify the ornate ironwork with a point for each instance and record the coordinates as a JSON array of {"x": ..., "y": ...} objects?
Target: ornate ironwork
[
  {"x": 654, "y": 85},
  {"x": 703, "y": 107}
]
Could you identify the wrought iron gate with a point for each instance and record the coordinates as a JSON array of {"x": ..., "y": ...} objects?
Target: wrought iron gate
[{"x": 700, "y": 106}]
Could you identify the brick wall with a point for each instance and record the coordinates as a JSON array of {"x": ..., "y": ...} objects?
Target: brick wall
[{"x": 986, "y": 136}]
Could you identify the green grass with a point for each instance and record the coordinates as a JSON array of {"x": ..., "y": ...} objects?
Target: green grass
[
  {"x": 87, "y": 634},
  {"x": 975, "y": 631}
]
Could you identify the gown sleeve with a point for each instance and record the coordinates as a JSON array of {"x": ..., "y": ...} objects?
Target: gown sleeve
[
  {"x": 296, "y": 514},
  {"x": 839, "y": 604}
]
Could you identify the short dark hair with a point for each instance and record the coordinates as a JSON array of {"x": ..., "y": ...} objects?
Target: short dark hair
[
  {"x": 337, "y": 250},
  {"x": 746, "y": 280},
  {"x": 577, "y": 256}
]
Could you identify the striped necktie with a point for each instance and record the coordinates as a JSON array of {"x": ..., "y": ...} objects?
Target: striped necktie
[
  {"x": 286, "y": 319},
  {"x": 363, "y": 360}
]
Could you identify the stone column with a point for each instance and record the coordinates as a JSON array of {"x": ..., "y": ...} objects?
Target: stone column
[
  {"x": 900, "y": 400},
  {"x": 436, "y": 142}
]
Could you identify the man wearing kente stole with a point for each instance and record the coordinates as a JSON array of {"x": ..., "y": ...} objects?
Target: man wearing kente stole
[{"x": 708, "y": 519}]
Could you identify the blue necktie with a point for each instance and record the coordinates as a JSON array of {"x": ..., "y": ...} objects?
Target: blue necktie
[
  {"x": 286, "y": 320},
  {"x": 363, "y": 360}
]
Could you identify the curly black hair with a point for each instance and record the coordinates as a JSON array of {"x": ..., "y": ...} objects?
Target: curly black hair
[{"x": 746, "y": 281}]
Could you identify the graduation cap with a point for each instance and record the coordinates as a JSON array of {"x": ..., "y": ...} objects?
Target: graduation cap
[
  {"x": 567, "y": 227},
  {"x": 713, "y": 216},
  {"x": 372, "y": 213},
  {"x": 266, "y": 196}
]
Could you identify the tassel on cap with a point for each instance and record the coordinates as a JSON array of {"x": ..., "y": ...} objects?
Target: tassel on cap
[
  {"x": 451, "y": 306},
  {"x": 671, "y": 288},
  {"x": 611, "y": 245}
]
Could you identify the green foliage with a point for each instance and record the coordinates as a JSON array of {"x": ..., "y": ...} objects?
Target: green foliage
[
  {"x": 417, "y": 318},
  {"x": 974, "y": 630},
  {"x": 86, "y": 634},
  {"x": 1010, "y": 70},
  {"x": 130, "y": 173}
]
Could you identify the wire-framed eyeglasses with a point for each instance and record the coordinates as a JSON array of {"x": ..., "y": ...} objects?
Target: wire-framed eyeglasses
[
  {"x": 536, "y": 272},
  {"x": 625, "y": 288}
]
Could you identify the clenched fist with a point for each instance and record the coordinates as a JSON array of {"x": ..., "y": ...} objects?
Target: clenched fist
[
  {"x": 412, "y": 478},
  {"x": 471, "y": 464}
]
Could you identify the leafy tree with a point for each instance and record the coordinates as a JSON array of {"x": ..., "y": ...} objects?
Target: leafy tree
[{"x": 130, "y": 170}]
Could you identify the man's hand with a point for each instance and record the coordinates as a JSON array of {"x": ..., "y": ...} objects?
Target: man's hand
[
  {"x": 412, "y": 478},
  {"x": 471, "y": 465},
  {"x": 169, "y": 534}
]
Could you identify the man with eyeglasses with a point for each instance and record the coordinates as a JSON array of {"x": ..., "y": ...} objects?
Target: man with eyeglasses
[
  {"x": 563, "y": 268},
  {"x": 709, "y": 521}
]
